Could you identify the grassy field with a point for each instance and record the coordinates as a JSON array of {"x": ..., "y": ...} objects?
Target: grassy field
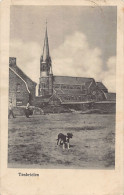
[{"x": 32, "y": 141}]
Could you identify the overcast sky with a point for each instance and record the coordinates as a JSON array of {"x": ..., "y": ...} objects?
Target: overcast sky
[{"x": 82, "y": 40}]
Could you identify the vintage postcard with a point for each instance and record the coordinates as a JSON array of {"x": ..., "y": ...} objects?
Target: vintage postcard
[{"x": 62, "y": 97}]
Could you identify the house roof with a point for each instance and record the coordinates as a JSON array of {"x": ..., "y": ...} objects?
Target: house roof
[
  {"x": 20, "y": 78},
  {"x": 110, "y": 96},
  {"x": 68, "y": 80},
  {"x": 21, "y": 73},
  {"x": 101, "y": 86}
]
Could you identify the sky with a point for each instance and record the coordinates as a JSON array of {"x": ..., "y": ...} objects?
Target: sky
[{"x": 82, "y": 40}]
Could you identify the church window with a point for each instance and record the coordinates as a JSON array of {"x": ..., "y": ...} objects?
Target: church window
[
  {"x": 72, "y": 97},
  {"x": 43, "y": 85},
  {"x": 80, "y": 98},
  {"x": 43, "y": 68},
  {"x": 78, "y": 87}
]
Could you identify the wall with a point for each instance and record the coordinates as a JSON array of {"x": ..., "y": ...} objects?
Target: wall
[
  {"x": 109, "y": 107},
  {"x": 44, "y": 86},
  {"x": 103, "y": 107},
  {"x": 19, "y": 96},
  {"x": 40, "y": 101},
  {"x": 31, "y": 85}
]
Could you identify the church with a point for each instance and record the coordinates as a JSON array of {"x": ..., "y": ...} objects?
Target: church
[{"x": 66, "y": 89}]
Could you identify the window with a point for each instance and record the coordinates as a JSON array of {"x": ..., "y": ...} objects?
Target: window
[
  {"x": 43, "y": 68},
  {"x": 43, "y": 85},
  {"x": 18, "y": 89},
  {"x": 18, "y": 103},
  {"x": 78, "y": 87},
  {"x": 64, "y": 86},
  {"x": 72, "y": 97},
  {"x": 79, "y": 98}
]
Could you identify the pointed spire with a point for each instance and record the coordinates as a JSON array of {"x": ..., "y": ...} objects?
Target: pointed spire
[
  {"x": 46, "y": 46},
  {"x": 45, "y": 59}
]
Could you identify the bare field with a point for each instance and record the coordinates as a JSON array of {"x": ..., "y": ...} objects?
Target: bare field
[{"x": 32, "y": 141}]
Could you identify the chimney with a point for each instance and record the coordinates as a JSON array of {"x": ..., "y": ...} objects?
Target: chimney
[{"x": 12, "y": 61}]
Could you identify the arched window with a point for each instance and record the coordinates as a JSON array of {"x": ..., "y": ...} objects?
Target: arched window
[
  {"x": 43, "y": 85},
  {"x": 79, "y": 98}
]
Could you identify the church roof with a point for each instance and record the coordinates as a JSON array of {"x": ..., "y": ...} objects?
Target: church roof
[
  {"x": 110, "y": 96},
  {"x": 68, "y": 80},
  {"x": 101, "y": 86}
]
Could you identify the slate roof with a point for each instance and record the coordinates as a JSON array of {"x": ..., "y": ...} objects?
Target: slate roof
[
  {"x": 110, "y": 96},
  {"x": 101, "y": 86},
  {"x": 68, "y": 80}
]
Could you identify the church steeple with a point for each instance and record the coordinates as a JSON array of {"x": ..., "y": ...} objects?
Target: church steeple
[
  {"x": 46, "y": 46},
  {"x": 45, "y": 60},
  {"x": 46, "y": 75}
]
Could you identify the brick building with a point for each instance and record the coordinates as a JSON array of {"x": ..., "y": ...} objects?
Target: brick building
[{"x": 21, "y": 87}]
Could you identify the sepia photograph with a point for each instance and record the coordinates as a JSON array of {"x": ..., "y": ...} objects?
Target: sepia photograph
[{"x": 62, "y": 87}]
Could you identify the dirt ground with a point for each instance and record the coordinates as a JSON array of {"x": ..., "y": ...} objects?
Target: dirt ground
[{"x": 32, "y": 141}]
